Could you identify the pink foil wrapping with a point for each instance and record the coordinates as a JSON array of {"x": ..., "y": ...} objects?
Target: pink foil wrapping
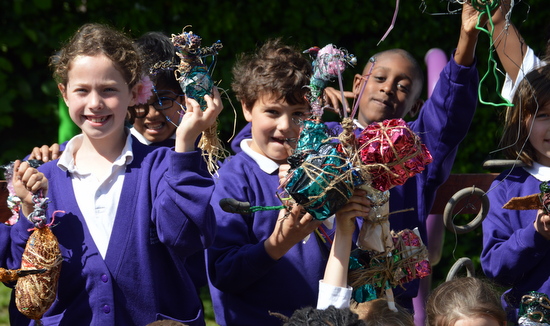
[{"x": 392, "y": 153}]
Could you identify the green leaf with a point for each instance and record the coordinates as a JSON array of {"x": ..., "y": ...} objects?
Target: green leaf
[
  {"x": 42, "y": 4},
  {"x": 5, "y": 65}
]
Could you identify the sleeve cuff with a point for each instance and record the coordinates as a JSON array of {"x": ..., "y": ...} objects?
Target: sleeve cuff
[{"x": 330, "y": 295}]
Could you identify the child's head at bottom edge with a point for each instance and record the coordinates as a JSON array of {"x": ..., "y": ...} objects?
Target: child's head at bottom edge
[
  {"x": 378, "y": 313},
  {"x": 465, "y": 301},
  {"x": 166, "y": 322},
  {"x": 322, "y": 317}
]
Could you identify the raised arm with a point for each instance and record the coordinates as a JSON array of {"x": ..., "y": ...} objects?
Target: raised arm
[
  {"x": 508, "y": 42},
  {"x": 336, "y": 271},
  {"x": 333, "y": 289},
  {"x": 465, "y": 50}
]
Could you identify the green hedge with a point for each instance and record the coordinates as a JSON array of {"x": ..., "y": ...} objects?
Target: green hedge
[{"x": 33, "y": 30}]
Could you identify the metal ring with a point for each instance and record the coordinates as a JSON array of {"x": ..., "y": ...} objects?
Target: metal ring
[
  {"x": 455, "y": 199},
  {"x": 462, "y": 262}
]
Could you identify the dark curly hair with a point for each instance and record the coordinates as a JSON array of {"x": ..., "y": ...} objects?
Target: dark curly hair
[
  {"x": 92, "y": 39},
  {"x": 157, "y": 48},
  {"x": 275, "y": 69},
  {"x": 323, "y": 317}
]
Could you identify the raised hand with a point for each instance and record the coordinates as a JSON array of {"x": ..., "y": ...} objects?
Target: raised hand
[
  {"x": 357, "y": 206},
  {"x": 291, "y": 227},
  {"x": 45, "y": 153},
  {"x": 333, "y": 99},
  {"x": 195, "y": 121},
  {"x": 26, "y": 182}
]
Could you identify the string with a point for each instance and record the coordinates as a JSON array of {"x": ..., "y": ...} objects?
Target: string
[
  {"x": 366, "y": 79},
  {"x": 228, "y": 98},
  {"x": 423, "y": 8},
  {"x": 485, "y": 8}
]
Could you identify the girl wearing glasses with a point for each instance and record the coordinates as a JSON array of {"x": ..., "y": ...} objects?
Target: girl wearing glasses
[{"x": 155, "y": 122}]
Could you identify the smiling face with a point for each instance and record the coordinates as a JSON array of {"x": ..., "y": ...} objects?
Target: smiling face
[
  {"x": 162, "y": 116},
  {"x": 539, "y": 136},
  {"x": 275, "y": 126},
  {"x": 98, "y": 97},
  {"x": 391, "y": 91}
]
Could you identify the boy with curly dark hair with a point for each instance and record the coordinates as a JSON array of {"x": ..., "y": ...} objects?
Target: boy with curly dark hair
[{"x": 259, "y": 261}]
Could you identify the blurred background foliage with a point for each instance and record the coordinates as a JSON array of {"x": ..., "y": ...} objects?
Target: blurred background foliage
[{"x": 32, "y": 30}]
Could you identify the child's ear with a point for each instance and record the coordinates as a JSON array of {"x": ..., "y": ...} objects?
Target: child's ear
[
  {"x": 247, "y": 112},
  {"x": 135, "y": 91},
  {"x": 63, "y": 92},
  {"x": 416, "y": 108},
  {"x": 357, "y": 84}
]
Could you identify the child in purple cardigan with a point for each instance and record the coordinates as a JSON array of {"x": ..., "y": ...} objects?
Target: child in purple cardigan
[
  {"x": 153, "y": 123},
  {"x": 132, "y": 213},
  {"x": 516, "y": 242},
  {"x": 260, "y": 262}
]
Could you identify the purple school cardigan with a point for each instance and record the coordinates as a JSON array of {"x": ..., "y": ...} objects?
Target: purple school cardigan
[
  {"x": 245, "y": 282},
  {"x": 514, "y": 254},
  {"x": 163, "y": 217}
]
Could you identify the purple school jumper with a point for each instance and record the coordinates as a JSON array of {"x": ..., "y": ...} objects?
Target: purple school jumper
[
  {"x": 442, "y": 124},
  {"x": 194, "y": 264},
  {"x": 246, "y": 283},
  {"x": 163, "y": 217},
  {"x": 514, "y": 254}
]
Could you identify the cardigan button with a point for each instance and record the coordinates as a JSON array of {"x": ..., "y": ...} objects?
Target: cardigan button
[
  {"x": 104, "y": 278},
  {"x": 106, "y": 309}
]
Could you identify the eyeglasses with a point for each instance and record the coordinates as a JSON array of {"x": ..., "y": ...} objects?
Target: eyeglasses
[{"x": 160, "y": 103}]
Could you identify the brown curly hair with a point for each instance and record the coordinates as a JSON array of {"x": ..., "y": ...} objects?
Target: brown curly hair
[
  {"x": 322, "y": 317},
  {"x": 92, "y": 39},
  {"x": 276, "y": 69}
]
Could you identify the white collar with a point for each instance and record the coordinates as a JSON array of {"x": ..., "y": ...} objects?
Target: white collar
[
  {"x": 140, "y": 137},
  {"x": 66, "y": 160},
  {"x": 266, "y": 164},
  {"x": 357, "y": 124},
  {"x": 144, "y": 140},
  {"x": 539, "y": 171}
]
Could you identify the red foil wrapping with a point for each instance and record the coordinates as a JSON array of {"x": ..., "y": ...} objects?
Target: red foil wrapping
[{"x": 391, "y": 153}]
